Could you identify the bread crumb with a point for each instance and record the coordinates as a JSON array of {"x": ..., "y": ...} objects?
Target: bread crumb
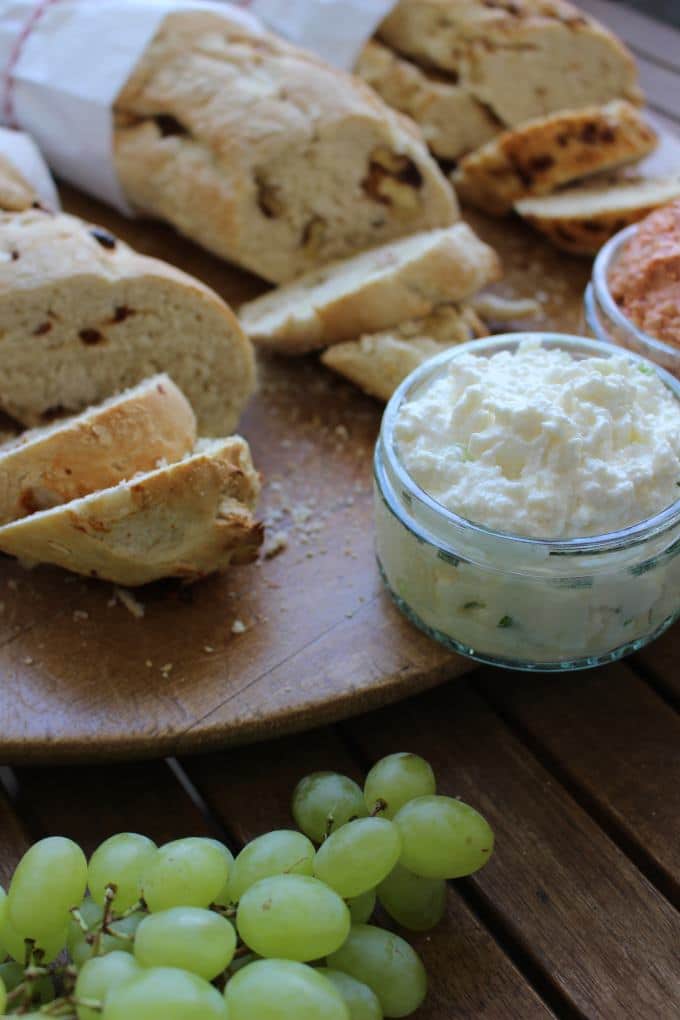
[
  {"x": 148, "y": 663},
  {"x": 28, "y": 660},
  {"x": 208, "y": 649},
  {"x": 167, "y": 668},
  {"x": 127, "y": 599},
  {"x": 12, "y": 585},
  {"x": 80, "y": 614},
  {"x": 275, "y": 544},
  {"x": 238, "y": 627},
  {"x": 341, "y": 432}
]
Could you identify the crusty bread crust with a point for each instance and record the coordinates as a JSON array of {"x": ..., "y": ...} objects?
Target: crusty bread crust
[
  {"x": 543, "y": 154},
  {"x": 187, "y": 520},
  {"x": 373, "y": 291},
  {"x": 264, "y": 154},
  {"x": 580, "y": 220},
  {"x": 522, "y": 58},
  {"x": 377, "y": 363},
  {"x": 452, "y": 121},
  {"x": 84, "y": 316},
  {"x": 130, "y": 433}
]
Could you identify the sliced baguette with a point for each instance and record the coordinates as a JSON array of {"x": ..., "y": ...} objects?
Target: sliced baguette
[
  {"x": 581, "y": 220},
  {"x": 540, "y": 155},
  {"x": 186, "y": 520},
  {"x": 372, "y": 291},
  {"x": 129, "y": 433},
  {"x": 377, "y": 363},
  {"x": 84, "y": 316},
  {"x": 452, "y": 121}
]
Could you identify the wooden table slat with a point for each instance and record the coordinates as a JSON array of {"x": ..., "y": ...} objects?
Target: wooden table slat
[
  {"x": 617, "y": 743},
  {"x": 661, "y": 662},
  {"x": 470, "y": 975},
  {"x": 579, "y": 908}
]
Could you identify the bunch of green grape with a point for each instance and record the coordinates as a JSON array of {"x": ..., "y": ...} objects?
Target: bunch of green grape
[{"x": 186, "y": 931}]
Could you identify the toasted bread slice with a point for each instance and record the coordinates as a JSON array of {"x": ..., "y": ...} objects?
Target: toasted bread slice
[
  {"x": 373, "y": 291},
  {"x": 541, "y": 155},
  {"x": 186, "y": 520},
  {"x": 377, "y": 363},
  {"x": 127, "y": 434},
  {"x": 581, "y": 220}
]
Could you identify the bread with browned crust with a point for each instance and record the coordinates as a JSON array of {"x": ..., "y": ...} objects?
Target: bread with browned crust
[
  {"x": 186, "y": 520},
  {"x": 521, "y": 58},
  {"x": 133, "y": 431},
  {"x": 543, "y": 154},
  {"x": 264, "y": 154},
  {"x": 84, "y": 316},
  {"x": 376, "y": 290}
]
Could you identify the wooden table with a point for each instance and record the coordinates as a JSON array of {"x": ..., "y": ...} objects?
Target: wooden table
[{"x": 576, "y": 914}]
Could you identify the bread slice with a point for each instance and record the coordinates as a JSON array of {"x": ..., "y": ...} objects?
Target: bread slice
[
  {"x": 185, "y": 520},
  {"x": 580, "y": 220},
  {"x": 264, "y": 154},
  {"x": 377, "y": 363},
  {"x": 539, "y": 156},
  {"x": 84, "y": 316},
  {"x": 16, "y": 193},
  {"x": 129, "y": 433},
  {"x": 452, "y": 121},
  {"x": 522, "y": 58},
  {"x": 373, "y": 291}
]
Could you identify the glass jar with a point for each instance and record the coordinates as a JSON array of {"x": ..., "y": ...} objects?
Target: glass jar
[
  {"x": 607, "y": 322},
  {"x": 532, "y": 604}
]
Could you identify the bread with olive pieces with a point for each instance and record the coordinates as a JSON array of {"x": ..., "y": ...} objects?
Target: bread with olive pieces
[
  {"x": 84, "y": 316},
  {"x": 185, "y": 520},
  {"x": 374, "y": 291},
  {"x": 580, "y": 220},
  {"x": 377, "y": 363},
  {"x": 452, "y": 121},
  {"x": 264, "y": 154},
  {"x": 543, "y": 154},
  {"x": 131, "y": 432},
  {"x": 521, "y": 58}
]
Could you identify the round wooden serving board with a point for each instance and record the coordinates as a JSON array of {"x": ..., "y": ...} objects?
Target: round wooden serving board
[{"x": 84, "y": 678}]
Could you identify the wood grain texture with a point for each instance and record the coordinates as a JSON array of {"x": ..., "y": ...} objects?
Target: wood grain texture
[
  {"x": 470, "y": 976},
  {"x": 557, "y": 886},
  {"x": 616, "y": 744}
]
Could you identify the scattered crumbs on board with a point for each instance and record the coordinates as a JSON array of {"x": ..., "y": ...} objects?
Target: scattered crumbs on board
[
  {"x": 238, "y": 627},
  {"x": 127, "y": 599}
]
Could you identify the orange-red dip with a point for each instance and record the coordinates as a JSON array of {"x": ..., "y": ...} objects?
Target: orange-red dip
[{"x": 645, "y": 282}]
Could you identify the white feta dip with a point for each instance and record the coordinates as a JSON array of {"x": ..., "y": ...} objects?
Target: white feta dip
[{"x": 540, "y": 444}]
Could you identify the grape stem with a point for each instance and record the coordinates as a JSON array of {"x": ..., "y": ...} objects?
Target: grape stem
[{"x": 378, "y": 808}]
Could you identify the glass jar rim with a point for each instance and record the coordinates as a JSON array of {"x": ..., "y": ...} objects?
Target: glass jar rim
[
  {"x": 624, "y": 538},
  {"x": 602, "y": 266}
]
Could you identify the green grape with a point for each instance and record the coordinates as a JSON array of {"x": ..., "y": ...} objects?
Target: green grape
[
  {"x": 280, "y": 852},
  {"x": 443, "y": 838},
  {"x": 222, "y": 898},
  {"x": 324, "y": 801},
  {"x": 186, "y": 873},
  {"x": 99, "y": 975},
  {"x": 292, "y": 917},
  {"x": 3, "y": 906},
  {"x": 387, "y": 964},
  {"x": 283, "y": 990},
  {"x": 77, "y": 943},
  {"x": 358, "y": 856},
  {"x": 414, "y": 902},
  {"x": 361, "y": 1001},
  {"x": 50, "y": 879},
  {"x": 189, "y": 938},
  {"x": 164, "y": 993},
  {"x": 396, "y": 780},
  {"x": 3, "y": 997},
  {"x": 15, "y": 944},
  {"x": 362, "y": 907},
  {"x": 120, "y": 861}
]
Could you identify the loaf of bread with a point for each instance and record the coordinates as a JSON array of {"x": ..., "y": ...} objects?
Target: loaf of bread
[
  {"x": 129, "y": 433},
  {"x": 186, "y": 520},
  {"x": 580, "y": 220},
  {"x": 374, "y": 291},
  {"x": 84, "y": 316},
  {"x": 264, "y": 154},
  {"x": 541, "y": 155},
  {"x": 521, "y": 58},
  {"x": 377, "y": 363},
  {"x": 451, "y": 119}
]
